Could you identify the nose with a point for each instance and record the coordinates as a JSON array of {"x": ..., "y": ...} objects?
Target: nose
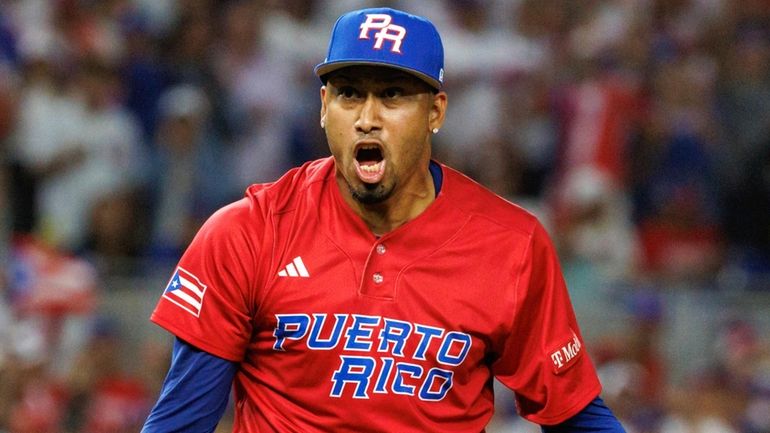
[{"x": 369, "y": 115}]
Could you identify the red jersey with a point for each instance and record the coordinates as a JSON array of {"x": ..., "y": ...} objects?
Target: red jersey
[{"x": 338, "y": 330}]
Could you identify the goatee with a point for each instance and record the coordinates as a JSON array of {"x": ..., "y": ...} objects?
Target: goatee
[{"x": 372, "y": 193}]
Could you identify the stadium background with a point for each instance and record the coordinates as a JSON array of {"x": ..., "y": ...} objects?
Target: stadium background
[{"x": 637, "y": 130}]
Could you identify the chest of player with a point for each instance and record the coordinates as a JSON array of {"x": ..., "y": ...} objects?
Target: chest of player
[{"x": 385, "y": 316}]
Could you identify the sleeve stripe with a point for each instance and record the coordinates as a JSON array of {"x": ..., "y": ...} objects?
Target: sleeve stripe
[
  {"x": 190, "y": 286},
  {"x": 187, "y": 298}
]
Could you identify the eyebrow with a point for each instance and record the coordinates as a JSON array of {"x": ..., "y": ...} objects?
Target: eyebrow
[{"x": 390, "y": 78}]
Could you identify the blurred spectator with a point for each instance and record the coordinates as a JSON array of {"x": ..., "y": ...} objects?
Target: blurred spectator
[
  {"x": 7, "y": 387},
  {"x": 730, "y": 395},
  {"x": 39, "y": 404},
  {"x": 189, "y": 52},
  {"x": 117, "y": 232},
  {"x": 47, "y": 282},
  {"x": 258, "y": 82},
  {"x": 144, "y": 74},
  {"x": 9, "y": 82},
  {"x": 155, "y": 357},
  {"x": 158, "y": 16},
  {"x": 744, "y": 172},
  {"x": 92, "y": 29},
  {"x": 190, "y": 179},
  {"x": 675, "y": 189},
  {"x": 594, "y": 227},
  {"x": 305, "y": 139},
  {"x": 103, "y": 398},
  {"x": 96, "y": 397},
  {"x": 744, "y": 104},
  {"x": 518, "y": 159},
  {"x": 703, "y": 405},
  {"x": 292, "y": 30},
  {"x": 748, "y": 211},
  {"x": 40, "y": 100},
  {"x": 597, "y": 113},
  {"x": 596, "y": 110},
  {"x": 80, "y": 145},
  {"x": 468, "y": 141},
  {"x": 47, "y": 302},
  {"x": 631, "y": 366},
  {"x": 743, "y": 363}
]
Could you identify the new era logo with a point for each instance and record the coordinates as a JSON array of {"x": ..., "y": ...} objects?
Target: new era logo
[
  {"x": 186, "y": 291},
  {"x": 294, "y": 269}
]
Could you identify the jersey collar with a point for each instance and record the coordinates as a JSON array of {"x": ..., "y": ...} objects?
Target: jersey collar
[{"x": 421, "y": 236}]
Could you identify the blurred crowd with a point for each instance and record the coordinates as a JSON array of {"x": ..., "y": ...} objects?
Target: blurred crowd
[{"x": 637, "y": 130}]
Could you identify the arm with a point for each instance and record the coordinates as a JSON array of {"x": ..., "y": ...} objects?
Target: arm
[
  {"x": 596, "y": 417},
  {"x": 194, "y": 394}
]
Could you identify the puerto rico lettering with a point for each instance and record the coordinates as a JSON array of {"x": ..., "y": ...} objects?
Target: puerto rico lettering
[{"x": 375, "y": 357}]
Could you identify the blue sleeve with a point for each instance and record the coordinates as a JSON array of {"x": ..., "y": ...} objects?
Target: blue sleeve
[
  {"x": 195, "y": 392},
  {"x": 596, "y": 417}
]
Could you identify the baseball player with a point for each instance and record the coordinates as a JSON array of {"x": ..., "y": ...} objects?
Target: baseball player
[{"x": 376, "y": 290}]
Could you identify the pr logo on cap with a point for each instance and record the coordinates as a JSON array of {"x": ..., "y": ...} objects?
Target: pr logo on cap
[
  {"x": 387, "y": 31},
  {"x": 385, "y": 37}
]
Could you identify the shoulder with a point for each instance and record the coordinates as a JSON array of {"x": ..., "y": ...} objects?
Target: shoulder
[
  {"x": 483, "y": 205},
  {"x": 263, "y": 201},
  {"x": 282, "y": 195}
]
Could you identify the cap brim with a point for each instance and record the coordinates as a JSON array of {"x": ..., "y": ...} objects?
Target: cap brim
[{"x": 326, "y": 68}]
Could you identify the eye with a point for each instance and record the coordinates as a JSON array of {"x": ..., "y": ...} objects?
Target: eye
[
  {"x": 347, "y": 92},
  {"x": 393, "y": 92}
]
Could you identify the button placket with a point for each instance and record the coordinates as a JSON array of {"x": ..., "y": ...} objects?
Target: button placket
[
  {"x": 377, "y": 277},
  {"x": 378, "y": 266}
]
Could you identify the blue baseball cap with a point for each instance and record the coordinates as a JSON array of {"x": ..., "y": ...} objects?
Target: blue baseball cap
[{"x": 386, "y": 37}]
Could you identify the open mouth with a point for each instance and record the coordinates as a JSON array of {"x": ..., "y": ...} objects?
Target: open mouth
[
  {"x": 369, "y": 155},
  {"x": 370, "y": 163}
]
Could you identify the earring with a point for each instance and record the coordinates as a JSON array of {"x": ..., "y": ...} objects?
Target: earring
[
  {"x": 323, "y": 124},
  {"x": 435, "y": 130}
]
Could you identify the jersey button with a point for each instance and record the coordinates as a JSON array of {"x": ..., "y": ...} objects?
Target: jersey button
[
  {"x": 378, "y": 278},
  {"x": 381, "y": 249}
]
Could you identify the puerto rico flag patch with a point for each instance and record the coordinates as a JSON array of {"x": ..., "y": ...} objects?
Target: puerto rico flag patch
[{"x": 186, "y": 291}]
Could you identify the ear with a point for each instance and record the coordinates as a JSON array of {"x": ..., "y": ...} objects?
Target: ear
[
  {"x": 437, "y": 111},
  {"x": 323, "y": 106}
]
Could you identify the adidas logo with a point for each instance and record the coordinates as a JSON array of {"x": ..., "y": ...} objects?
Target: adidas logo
[{"x": 294, "y": 269}]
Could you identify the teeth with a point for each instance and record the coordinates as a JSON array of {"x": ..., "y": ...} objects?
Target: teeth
[{"x": 371, "y": 168}]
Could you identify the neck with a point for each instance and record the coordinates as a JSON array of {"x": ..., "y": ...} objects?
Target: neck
[{"x": 405, "y": 204}]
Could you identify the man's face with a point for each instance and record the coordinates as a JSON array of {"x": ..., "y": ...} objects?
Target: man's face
[{"x": 378, "y": 122}]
